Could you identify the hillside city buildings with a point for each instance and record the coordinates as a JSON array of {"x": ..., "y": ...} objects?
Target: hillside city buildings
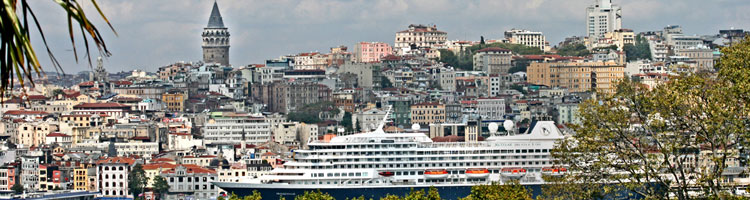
[{"x": 194, "y": 123}]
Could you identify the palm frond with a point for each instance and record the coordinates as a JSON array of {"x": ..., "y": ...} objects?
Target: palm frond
[{"x": 18, "y": 59}]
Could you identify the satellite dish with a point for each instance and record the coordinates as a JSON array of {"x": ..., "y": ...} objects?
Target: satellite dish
[
  {"x": 415, "y": 127},
  {"x": 508, "y": 125},
  {"x": 493, "y": 127}
]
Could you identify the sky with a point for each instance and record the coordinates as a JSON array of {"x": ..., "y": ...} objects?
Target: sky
[{"x": 155, "y": 33}]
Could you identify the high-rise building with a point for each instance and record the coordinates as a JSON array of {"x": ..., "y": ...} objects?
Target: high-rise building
[
  {"x": 216, "y": 39},
  {"x": 601, "y": 18}
]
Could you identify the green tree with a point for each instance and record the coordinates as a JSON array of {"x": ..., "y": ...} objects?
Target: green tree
[
  {"x": 451, "y": 59},
  {"x": 347, "y": 122},
  {"x": 519, "y": 88},
  {"x": 254, "y": 196},
  {"x": 432, "y": 194},
  {"x": 137, "y": 180},
  {"x": 573, "y": 50},
  {"x": 515, "y": 69},
  {"x": 20, "y": 61},
  {"x": 161, "y": 186},
  {"x": 310, "y": 118},
  {"x": 668, "y": 139},
  {"x": 317, "y": 195},
  {"x": 385, "y": 82},
  {"x": 610, "y": 47},
  {"x": 639, "y": 50},
  {"x": 57, "y": 92},
  {"x": 510, "y": 190},
  {"x": 17, "y": 188}
]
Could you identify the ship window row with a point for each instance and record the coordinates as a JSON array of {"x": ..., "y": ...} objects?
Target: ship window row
[
  {"x": 435, "y": 158},
  {"x": 350, "y": 174},
  {"x": 368, "y": 146},
  {"x": 457, "y": 164},
  {"x": 434, "y": 152}
]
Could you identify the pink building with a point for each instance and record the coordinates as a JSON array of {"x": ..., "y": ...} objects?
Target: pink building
[{"x": 371, "y": 51}]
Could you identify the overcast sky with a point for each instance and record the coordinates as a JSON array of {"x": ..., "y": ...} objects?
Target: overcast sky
[{"x": 154, "y": 33}]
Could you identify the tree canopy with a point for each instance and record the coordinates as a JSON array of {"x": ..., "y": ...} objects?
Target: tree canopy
[
  {"x": 509, "y": 190},
  {"x": 573, "y": 50},
  {"x": 465, "y": 60},
  {"x": 666, "y": 140},
  {"x": 639, "y": 51},
  {"x": 161, "y": 186},
  {"x": 137, "y": 180}
]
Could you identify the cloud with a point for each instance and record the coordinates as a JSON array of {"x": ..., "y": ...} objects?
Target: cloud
[{"x": 156, "y": 33}]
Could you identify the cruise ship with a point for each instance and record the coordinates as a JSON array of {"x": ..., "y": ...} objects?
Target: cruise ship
[{"x": 374, "y": 164}]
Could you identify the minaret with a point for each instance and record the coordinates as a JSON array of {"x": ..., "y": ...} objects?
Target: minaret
[{"x": 216, "y": 39}]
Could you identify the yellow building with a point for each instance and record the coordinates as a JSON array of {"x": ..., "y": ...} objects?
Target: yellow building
[
  {"x": 80, "y": 177},
  {"x": 427, "y": 113},
  {"x": 577, "y": 76},
  {"x": 33, "y": 133},
  {"x": 174, "y": 101},
  {"x": 76, "y": 125},
  {"x": 621, "y": 37}
]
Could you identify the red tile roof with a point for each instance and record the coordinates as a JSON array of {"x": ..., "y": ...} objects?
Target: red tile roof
[
  {"x": 25, "y": 112},
  {"x": 57, "y": 135},
  {"x": 101, "y": 105},
  {"x": 36, "y": 97},
  {"x": 153, "y": 166},
  {"x": 125, "y": 160},
  {"x": 493, "y": 49}
]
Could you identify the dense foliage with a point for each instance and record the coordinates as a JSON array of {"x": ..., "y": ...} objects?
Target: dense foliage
[
  {"x": 667, "y": 140},
  {"x": 639, "y": 51},
  {"x": 137, "y": 180},
  {"x": 465, "y": 60},
  {"x": 432, "y": 194},
  {"x": 161, "y": 187},
  {"x": 573, "y": 50},
  {"x": 310, "y": 113},
  {"x": 17, "y": 188},
  {"x": 511, "y": 190}
]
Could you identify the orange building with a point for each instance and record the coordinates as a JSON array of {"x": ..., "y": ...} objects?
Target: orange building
[{"x": 577, "y": 76}]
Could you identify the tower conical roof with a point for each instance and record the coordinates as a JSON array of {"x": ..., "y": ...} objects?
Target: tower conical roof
[{"x": 215, "y": 21}]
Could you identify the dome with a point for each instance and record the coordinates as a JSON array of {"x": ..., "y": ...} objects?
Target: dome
[{"x": 219, "y": 161}]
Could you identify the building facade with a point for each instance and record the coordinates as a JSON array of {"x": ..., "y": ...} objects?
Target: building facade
[
  {"x": 492, "y": 60},
  {"x": 112, "y": 176},
  {"x": 224, "y": 127},
  {"x": 577, "y": 76},
  {"x": 528, "y": 38},
  {"x": 427, "y": 113},
  {"x": 189, "y": 182},
  {"x": 421, "y": 36},
  {"x": 371, "y": 51},
  {"x": 491, "y": 108}
]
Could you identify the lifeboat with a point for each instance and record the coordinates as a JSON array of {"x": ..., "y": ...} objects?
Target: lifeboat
[
  {"x": 435, "y": 173},
  {"x": 477, "y": 173},
  {"x": 513, "y": 172},
  {"x": 385, "y": 174},
  {"x": 554, "y": 171}
]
